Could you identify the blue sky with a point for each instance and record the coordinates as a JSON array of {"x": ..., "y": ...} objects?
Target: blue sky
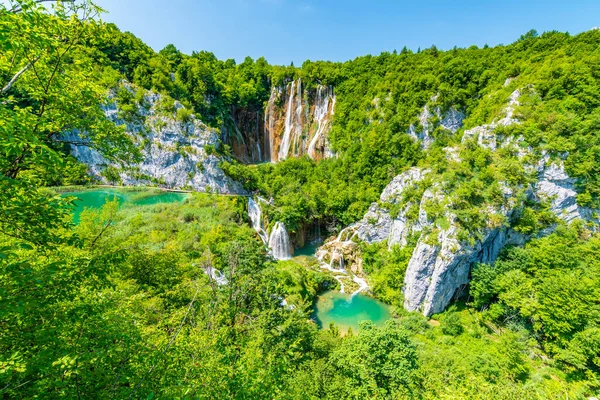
[{"x": 295, "y": 30}]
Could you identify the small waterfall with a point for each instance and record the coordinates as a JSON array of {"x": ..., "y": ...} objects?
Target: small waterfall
[
  {"x": 339, "y": 279},
  {"x": 216, "y": 275},
  {"x": 362, "y": 286},
  {"x": 284, "y": 148},
  {"x": 347, "y": 235},
  {"x": 340, "y": 262},
  {"x": 255, "y": 214},
  {"x": 279, "y": 242}
]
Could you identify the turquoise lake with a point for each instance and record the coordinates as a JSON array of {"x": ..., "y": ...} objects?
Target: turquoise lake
[
  {"x": 96, "y": 198},
  {"x": 348, "y": 312}
]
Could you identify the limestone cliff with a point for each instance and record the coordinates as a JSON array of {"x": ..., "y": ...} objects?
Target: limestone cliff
[{"x": 178, "y": 150}]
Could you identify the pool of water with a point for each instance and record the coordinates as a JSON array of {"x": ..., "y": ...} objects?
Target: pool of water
[
  {"x": 347, "y": 312},
  {"x": 96, "y": 198},
  {"x": 308, "y": 250}
]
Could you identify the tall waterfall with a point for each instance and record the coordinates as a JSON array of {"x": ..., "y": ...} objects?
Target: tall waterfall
[
  {"x": 325, "y": 97},
  {"x": 293, "y": 119},
  {"x": 279, "y": 242},
  {"x": 255, "y": 214},
  {"x": 297, "y": 120},
  {"x": 271, "y": 118}
]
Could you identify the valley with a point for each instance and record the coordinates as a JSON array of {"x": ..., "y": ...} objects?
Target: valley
[{"x": 417, "y": 224}]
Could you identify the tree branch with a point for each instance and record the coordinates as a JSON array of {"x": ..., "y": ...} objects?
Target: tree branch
[
  {"x": 14, "y": 79},
  {"x": 104, "y": 228}
]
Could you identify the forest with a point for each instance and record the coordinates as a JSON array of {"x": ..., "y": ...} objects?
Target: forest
[{"x": 119, "y": 304}]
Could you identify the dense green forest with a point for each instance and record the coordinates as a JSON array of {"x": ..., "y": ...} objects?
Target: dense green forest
[{"x": 120, "y": 306}]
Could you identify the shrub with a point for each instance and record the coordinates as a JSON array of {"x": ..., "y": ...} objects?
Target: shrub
[{"x": 451, "y": 324}]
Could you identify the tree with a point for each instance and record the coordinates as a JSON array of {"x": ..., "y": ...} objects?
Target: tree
[{"x": 378, "y": 362}]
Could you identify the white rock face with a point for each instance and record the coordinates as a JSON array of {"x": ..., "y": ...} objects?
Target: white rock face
[
  {"x": 558, "y": 188},
  {"x": 174, "y": 152},
  {"x": 486, "y": 137},
  {"x": 452, "y": 120},
  {"x": 377, "y": 225},
  {"x": 436, "y": 272}
]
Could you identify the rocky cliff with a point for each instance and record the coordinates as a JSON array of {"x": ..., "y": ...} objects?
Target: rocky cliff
[
  {"x": 451, "y": 120},
  {"x": 178, "y": 150},
  {"x": 444, "y": 253}
]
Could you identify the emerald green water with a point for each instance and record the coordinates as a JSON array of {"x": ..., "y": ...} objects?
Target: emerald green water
[
  {"x": 308, "y": 250},
  {"x": 346, "y": 313},
  {"x": 96, "y": 198}
]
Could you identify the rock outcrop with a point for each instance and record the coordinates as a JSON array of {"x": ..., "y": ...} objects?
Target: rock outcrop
[
  {"x": 556, "y": 187},
  {"x": 451, "y": 120},
  {"x": 342, "y": 252},
  {"x": 178, "y": 152}
]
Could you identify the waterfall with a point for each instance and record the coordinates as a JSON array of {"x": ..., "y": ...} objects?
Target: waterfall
[
  {"x": 216, "y": 275},
  {"x": 327, "y": 153},
  {"x": 321, "y": 116},
  {"x": 340, "y": 260},
  {"x": 339, "y": 279},
  {"x": 362, "y": 285},
  {"x": 259, "y": 150},
  {"x": 270, "y": 120},
  {"x": 346, "y": 235},
  {"x": 294, "y": 127},
  {"x": 279, "y": 242},
  {"x": 255, "y": 214},
  {"x": 299, "y": 125},
  {"x": 284, "y": 147}
]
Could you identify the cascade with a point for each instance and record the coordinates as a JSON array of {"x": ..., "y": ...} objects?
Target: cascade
[
  {"x": 297, "y": 120},
  {"x": 339, "y": 279},
  {"x": 279, "y": 242},
  {"x": 270, "y": 124},
  {"x": 321, "y": 114},
  {"x": 216, "y": 275},
  {"x": 346, "y": 235},
  {"x": 284, "y": 148},
  {"x": 255, "y": 214},
  {"x": 299, "y": 125},
  {"x": 340, "y": 266},
  {"x": 257, "y": 138},
  {"x": 362, "y": 286}
]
